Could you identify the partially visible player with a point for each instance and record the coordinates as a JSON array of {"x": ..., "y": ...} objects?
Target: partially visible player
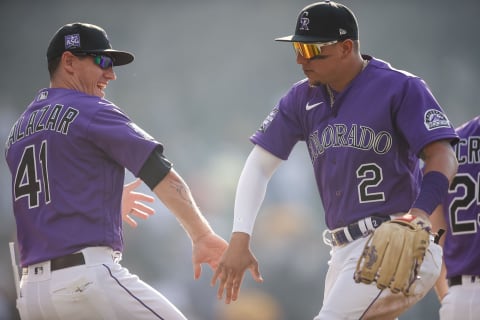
[
  {"x": 67, "y": 154},
  {"x": 366, "y": 126},
  {"x": 458, "y": 287}
]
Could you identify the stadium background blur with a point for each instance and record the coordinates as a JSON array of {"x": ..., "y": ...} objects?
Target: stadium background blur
[{"x": 206, "y": 73}]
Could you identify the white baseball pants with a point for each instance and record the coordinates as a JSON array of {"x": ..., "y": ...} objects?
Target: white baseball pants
[
  {"x": 462, "y": 301},
  {"x": 344, "y": 299},
  {"x": 100, "y": 289}
]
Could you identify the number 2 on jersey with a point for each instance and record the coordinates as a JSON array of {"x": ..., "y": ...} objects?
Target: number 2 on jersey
[
  {"x": 27, "y": 182},
  {"x": 371, "y": 175}
]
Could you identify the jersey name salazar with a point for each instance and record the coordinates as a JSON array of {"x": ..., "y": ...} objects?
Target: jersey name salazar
[{"x": 57, "y": 118}]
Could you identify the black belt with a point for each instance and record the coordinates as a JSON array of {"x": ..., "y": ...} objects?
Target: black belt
[
  {"x": 70, "y": 260},
  {"x": 457, "y": 280},
  {"x": 354, "y": 230}
]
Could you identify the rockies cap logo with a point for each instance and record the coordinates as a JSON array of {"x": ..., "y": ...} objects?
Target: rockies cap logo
[
  {"x": 72, "y": 41},
  {"x": 304, "y": 21}
]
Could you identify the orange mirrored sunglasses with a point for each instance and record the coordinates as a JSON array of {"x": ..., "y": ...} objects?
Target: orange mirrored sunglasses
[{"x": 310, "y": 50}]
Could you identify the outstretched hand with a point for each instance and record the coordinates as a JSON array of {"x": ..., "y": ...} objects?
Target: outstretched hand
[
  {"x": 233, "y": 264},
  {"x": 132, "y": 204},
  {"x": 207, "y": 249}
]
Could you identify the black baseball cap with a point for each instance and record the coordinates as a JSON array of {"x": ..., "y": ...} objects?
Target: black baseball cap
[
  {"x": 85, "y": 38},
  {"x": 323, "y": 22}
]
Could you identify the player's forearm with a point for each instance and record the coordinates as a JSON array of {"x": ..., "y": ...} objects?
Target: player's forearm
[
  {"x": 440, "y": 156},
  {"x": 177, "y": 197},
  {"x": 251, "y": 189},
  {"x": 440, "y": 168},
  {"x": 249, "y": 197}
]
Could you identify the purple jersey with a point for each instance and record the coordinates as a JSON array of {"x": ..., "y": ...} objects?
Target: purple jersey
[
  {"x": 463, "y": 205},
  {"x": 67, "y": 154},
  {"x": 363, "y": 148}
]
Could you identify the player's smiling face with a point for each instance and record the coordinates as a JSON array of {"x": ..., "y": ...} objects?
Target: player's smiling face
[{"x": 91, "y": 78}]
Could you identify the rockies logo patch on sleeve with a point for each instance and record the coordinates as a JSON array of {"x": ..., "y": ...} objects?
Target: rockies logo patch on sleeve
[{"x": 435, "y": 119}]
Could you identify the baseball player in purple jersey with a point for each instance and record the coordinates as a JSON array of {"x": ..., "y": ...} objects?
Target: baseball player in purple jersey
[
  {"x": 458, "y": 287},
  {"x": 67, "y": 154},
  {"x": 366, "y": 126}
]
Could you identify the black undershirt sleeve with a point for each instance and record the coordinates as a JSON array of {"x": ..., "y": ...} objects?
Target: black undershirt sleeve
[{"x": 155, "y": 168}]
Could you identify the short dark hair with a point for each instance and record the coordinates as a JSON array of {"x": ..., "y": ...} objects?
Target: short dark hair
[{"x": 53, "y": 65}]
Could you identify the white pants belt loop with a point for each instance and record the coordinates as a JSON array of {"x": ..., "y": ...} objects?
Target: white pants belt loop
[
  {"x": 91, "y": 255},
  {"x": 99, "y": 255}
]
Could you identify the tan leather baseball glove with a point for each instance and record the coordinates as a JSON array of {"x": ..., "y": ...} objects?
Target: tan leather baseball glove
[{"x": 394, "y": 253}]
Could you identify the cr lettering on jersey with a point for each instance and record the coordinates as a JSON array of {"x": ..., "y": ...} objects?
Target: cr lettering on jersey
[
  {"x": 57, "y": 118},
  {"x": 468, "y": 150},
  {"x": 304, "y": 21},
  {"x": 356, "y": 136},
  {"x": 435, "y": 119}
]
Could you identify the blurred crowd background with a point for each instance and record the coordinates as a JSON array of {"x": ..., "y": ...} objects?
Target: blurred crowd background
[{"x": 205, "y": 75}]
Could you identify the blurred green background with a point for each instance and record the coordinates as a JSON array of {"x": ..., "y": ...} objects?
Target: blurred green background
[{"x": 205, "y": 75}]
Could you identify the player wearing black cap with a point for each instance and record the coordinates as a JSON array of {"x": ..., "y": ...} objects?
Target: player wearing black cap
[
  {"x": 67, "y": 154},
  {"x": 366, "y": 125}
]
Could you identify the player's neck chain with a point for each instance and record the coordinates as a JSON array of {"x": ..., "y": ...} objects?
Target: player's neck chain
[{"x": 331, "y": 95}]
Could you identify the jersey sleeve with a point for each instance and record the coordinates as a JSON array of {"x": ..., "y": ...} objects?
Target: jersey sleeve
[
  {"x": 420, "y": 118},
  {"x": 281, "y": 129},
  {"x": 124, "y": 141}
]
